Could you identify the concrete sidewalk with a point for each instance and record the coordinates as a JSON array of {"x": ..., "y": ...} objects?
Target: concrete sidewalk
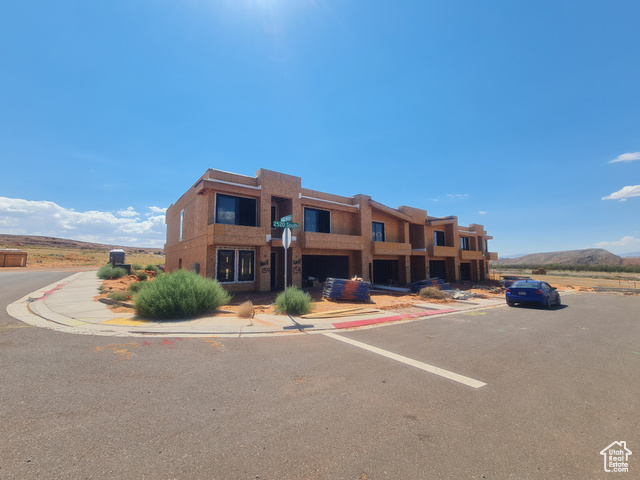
[{"x": 69, "y": 306}]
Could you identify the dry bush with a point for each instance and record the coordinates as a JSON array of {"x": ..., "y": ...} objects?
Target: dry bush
[
  {"x": 245, "y": 310},
  {"x": 431, "y": 292}
]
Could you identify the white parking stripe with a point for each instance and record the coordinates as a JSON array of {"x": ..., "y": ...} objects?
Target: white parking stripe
[{"x": 414, "y": 363}]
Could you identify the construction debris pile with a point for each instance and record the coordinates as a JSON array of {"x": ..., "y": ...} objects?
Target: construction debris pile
[
  {"x": 340, "y": 289},
  {"x": 430, "y": 282}
]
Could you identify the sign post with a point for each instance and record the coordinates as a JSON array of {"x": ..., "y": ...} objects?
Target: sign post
[{"x": 286, "y": 243}]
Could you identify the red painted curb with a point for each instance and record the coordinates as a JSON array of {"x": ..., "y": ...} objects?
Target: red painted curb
[{"x": 394, "y": 318}]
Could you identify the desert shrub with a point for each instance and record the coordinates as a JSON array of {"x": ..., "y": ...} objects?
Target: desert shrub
[
  {"x": 431, "y": 292},
  {"x": 180, "y": 294},
  {"x": 539, "y": 271},
  {"x": 245, "y": 310},
  {"x": 142, "y": 275},
  {"x": 109, "y": 272},
  {"x": 136, "y": 287},
  {"x": 152, "y": 268},
  {"x": 136, "y": 266},
  {"x": 119, "y": 296},
  {"x": 295, "y": 302}
]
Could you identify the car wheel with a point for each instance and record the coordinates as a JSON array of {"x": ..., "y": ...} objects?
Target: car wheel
[
  {"x": 558, "y": 302},
  {"x": 511, "y": 304},
  {"x": 548, "y": 304}
]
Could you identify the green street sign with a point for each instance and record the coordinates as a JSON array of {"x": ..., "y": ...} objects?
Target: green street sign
[
  {"x": 288, "y": 218},
  {"x": 277, "y": 224}
]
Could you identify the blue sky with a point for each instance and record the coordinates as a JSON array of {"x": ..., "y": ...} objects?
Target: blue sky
[{"x": 507, "y": 114}]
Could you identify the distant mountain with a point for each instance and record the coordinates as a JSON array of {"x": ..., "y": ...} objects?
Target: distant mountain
[
  {"x": 589, "y": 256},
  {"x": 17, "y": 241},
  {"x": 630, "y": 254},
  {"x": 515, "y": 255}
]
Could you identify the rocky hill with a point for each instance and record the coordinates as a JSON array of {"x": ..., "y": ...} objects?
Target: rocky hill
[
  {"x": 589, "y": 256},
  {"x": 26, "y": 241}
]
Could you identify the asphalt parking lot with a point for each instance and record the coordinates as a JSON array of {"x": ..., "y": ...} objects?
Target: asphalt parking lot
[{"x": 557, "y": 387}]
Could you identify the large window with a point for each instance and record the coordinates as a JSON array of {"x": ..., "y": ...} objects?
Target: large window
[
  {"x": 377, "y": 230},
  {"x": 235, "y": 265},
  {"x": 232, "y": 210},
  {"x": 464, "y": 243},
  {"x": 438, "y": 238},
  {"x": 181, "y": 224},
  {"x": 317, "y": 220}
]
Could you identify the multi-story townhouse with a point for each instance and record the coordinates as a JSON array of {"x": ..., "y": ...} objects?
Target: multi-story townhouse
[{"x": 222, "y": 228}]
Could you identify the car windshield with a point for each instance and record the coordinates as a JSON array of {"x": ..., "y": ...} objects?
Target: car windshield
[{"x": 526, "y": 285}]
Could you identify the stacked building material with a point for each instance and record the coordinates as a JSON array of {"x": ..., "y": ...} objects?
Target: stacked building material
[
  {"x": 429, "y": 282},
  {"x": 340, "y": 289}
]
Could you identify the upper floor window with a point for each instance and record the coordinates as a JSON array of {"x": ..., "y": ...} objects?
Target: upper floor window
[
  {"x": 438, "y": 238},
  {"x": 232, "y": 210},
  {"x": 486, "y": 245},
  {"x": 464, "y": 243},
  {"x": 377, "y": 230},
  {"x": 182, "y": 224},
  {"x": 317, "y": 220}
]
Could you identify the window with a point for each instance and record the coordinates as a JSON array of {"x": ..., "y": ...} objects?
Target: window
[
  {"x": 235, "y": 265},
  {"x": 232, "y": 210},
  {"x": 181, "y": 224},
  {"x": 377, "y": 229},
  {"x": 464, "y": 243},
  {"x": 438, "y": 238},
  {"x": 486, "y": 245},
  {"x": 317, "y": 220}
]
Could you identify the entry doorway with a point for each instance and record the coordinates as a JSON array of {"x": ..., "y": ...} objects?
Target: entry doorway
[
  {"x": 465, "y": 272},
  {"x": 385, "y": 272}
]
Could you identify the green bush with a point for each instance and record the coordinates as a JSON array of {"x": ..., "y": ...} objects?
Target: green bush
[
  {"x": 431, "y": 292},
  {"x": 180, "y": 294},
  {"x": 136, "y": 266},
  {"x": 136, "y": 287},
  {"x": 119, "y": 296},
  {"x": 295, "y": 302},
  {"x": 142, "y": 275},
  {"x": 153, "y": 268},
  {"x": 108, "y": 271}
]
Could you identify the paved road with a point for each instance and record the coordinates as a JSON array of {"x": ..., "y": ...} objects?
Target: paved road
[{"x": 561, "y": 385}]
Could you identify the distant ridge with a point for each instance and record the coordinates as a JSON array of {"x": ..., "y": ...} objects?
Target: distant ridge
[
  {"x": 589, "y": 256},
  {"x": 17, "y": 241}
]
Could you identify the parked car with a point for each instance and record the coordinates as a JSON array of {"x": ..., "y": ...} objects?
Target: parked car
[{"x": 532, "y": 292}]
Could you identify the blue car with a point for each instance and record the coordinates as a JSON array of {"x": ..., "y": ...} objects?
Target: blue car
[{"x": 532, "y": 292}]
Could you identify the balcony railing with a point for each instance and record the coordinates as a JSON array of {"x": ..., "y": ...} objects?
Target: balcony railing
[
  {"x": 440, "y": 251},
  {"x": 330, "y": 241}
]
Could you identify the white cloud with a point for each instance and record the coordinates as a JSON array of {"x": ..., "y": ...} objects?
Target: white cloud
[
  {"x": 27, "y": 217},
  {"x": 129, "y": 213},
  {"x": 457, "y": 195},
  {"x": 626, "y": 157},
  {"x": 624, "y": 245},
  {"x": 153, "y": 210},
  {"x": 482, "y": 213},
  {"x": 626, "y": 192}
]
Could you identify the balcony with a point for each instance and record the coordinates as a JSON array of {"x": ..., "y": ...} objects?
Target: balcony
[
  {"x": 330, "y": 241},
  {"x": 471, "y": 255},
  {"x": 440, "y": 251},
  {"x": 391, "y": 248},
  {"x": 491, "y": 255},
  {"x": 235, "y": 235}
]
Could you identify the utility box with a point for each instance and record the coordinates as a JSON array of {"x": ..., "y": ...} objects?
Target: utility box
[
  {"x": 116, "y": 256},
  {"x": 13, "y": 258}
]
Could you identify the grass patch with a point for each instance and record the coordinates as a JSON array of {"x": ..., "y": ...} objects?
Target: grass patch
[
  {"x": 119, "y": 296},
  {"x": 142, "y": 275},
  {"x": 431, "y": 292},
  {"x": 136, "y": 287},
  {"x": 107, "y": 271},
  {"x": 180, "y": 294},
  {"x": 295, "y": 302}
]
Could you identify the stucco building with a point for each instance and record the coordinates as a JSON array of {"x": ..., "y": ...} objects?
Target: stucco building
[{"x": 222, "y": 228}]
